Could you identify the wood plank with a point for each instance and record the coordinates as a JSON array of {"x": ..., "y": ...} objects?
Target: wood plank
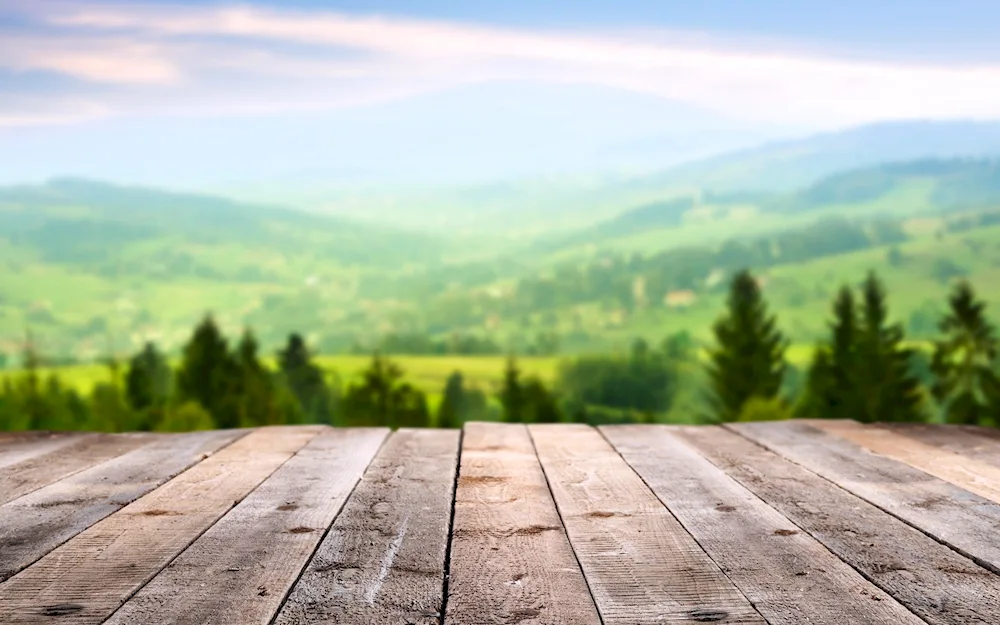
[
  {"x": 37, "y": 523},
  {"x": 20, "y": 446},
  {"x": 89, "y": 577},
  {"x": 511, "y": 562},
  {"x": 962, "y": 520},
  {"x": 239, "y": 571},
  {"x": 973, "y": 475},
  {"x": 84, "y": 452},
  {"x": 383, "y": 560},
  {"x": 789, "y": 576},
  {"x": 934, "y": 582},
  {"x": 969, "y": 441},
  {"x": 641, "y": 564}
]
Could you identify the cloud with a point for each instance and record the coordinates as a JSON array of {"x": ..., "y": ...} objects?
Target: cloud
[
  {"x": 115, "y": 60},
  {"x": 257, "y": 59}
]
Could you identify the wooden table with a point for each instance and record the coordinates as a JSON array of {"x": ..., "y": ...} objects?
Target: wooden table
[{"x": 798, "y": 522}]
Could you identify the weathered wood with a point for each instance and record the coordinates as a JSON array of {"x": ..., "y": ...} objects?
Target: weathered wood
[
  {"x": 17, "y": 447},
  {"x": 84, "y": 452},
  {"x": 239, "y": 571},
  {"x": 937, "y": 584},
  {"x": 968, "y": 441},
  {"x": 511, "y": 562},
  {"x": 962, "y": 520},
  {"x": 90, "y": 576},
  {"x": 641, "y": 564},
  {"x": 789, "y": 576},
  {"x": 383, "y": 560},
  {"x": 37, "y": 523},
  {"x": 973, "y": 475}
]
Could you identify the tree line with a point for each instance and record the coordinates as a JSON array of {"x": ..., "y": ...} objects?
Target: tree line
[{"x": 862, "y": 370}]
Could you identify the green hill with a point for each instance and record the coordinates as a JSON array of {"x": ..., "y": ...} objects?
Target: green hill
[
  {"x": 83, "y": 261},
  {"x": 91, "y": 267}
]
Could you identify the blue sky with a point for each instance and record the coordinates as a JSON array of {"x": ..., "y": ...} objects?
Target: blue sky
[{"x": 208, "y": 94}]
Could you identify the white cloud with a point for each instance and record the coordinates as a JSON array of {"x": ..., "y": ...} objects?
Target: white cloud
[{"x": 255, "y": 59}]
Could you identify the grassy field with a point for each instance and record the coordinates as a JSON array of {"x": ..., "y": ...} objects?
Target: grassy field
[{"x": 428, "y": 373}]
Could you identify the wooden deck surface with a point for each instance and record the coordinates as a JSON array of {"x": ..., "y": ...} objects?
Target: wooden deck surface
[{"x": 798, "y": 522}]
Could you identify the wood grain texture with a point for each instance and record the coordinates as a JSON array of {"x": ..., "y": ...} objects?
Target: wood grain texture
[
  {"x": 84, "y": 452},
  {"x": 973, "y": 475},
  {"x": 40, "y": 521},
  {"x": 383, "y": 561},
  {"x": 789, "y": 576},
  {"x": 89, "y": 577},
  {"x": 934, "y": 582},
  {"x": 962, "y": 520},
  {"x": 238, "y": 572},
  {"x": 968, "y": 441},
  {"x": 511, "y": 562},
  {"x": 641, "y": 564},
  {"x": 17, "y": 447}
]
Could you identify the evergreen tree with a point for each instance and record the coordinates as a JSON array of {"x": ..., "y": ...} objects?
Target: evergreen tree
[
  {"x": 147, "y": 385},
  {"x": 965, "y": 381},
  {"x": 451, "y": 412},
  {"x": 749, "y": 360},
  {"x": 832, "y": 386},
  {"x": 259, "y": 402},
  {"x": 540, "y": 405},
  {"x": 383, "y": 398},
  {"x": 887, "y": 388},
  {"x": 511, "y": 393},
  {"x": 208, "y": 374},
  {"x": 305, "y": 379}
]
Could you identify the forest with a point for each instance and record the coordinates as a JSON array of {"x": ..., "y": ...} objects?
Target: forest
[{"x": 863, "y": 369}]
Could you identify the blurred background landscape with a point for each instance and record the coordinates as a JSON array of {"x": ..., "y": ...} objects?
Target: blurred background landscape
[{"x": 452, "y": 187}]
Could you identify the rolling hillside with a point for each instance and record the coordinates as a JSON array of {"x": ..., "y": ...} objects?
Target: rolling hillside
[
  {"x": 92, "y": 268},
  {"x": 85, "y": 261}
]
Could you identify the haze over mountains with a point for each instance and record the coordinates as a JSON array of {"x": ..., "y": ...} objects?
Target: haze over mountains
[{"x": 87, "y": 259}]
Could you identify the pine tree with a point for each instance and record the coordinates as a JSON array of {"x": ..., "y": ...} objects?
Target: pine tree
[
  {"x": 887, "y": 388},
  {"x": 749, "y": 360},
  {"x": 207, "y": 374},
  {"x": 540, "y": 405},
  {"x": 305, "y": 379},
  {"x": 147, "y": 385},
  {"x": 258, "y": 400},
  {"x": 832, "y": 385},
  {"x": 966, "y": 384},
  {"x": 381, "y": 397},
  {"x": 452, "y": 411},
  {"x": 512, "y": 393}
]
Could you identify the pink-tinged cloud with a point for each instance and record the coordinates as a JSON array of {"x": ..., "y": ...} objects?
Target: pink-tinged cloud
[
  {"x": 115, "y": 61},
  {"x": 190, "y": 43}
]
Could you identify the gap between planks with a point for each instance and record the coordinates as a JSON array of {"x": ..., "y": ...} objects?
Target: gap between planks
[
  {"x": 964, "y": 521},
  {"x": 86, "y": 579},
  {"x": 641, "y": 565},
  {"x": 239, "y": 571}
]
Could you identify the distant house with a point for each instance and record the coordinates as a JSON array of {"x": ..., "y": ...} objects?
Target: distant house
[
  {"x": 493, "y": 322},
  {"x": 679, "y": 299}
]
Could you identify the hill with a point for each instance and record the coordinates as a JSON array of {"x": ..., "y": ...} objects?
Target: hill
[
  {"x": 904, "y": 189},
  {"x": 83, "y": 260},
  {"x": 788, "y": 165},
  {"x": 553, "y": 206},
  {"x": 94, "y": 267}
]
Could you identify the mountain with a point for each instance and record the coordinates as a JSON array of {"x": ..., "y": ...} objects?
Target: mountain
[
  {"x": 925, "y": 187},
  {"x": 788, "y": 165},
  {"x": 564, "y": 202}
]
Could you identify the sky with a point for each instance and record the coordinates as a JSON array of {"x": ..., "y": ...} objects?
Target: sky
[{"x": 219, "y": 94}]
